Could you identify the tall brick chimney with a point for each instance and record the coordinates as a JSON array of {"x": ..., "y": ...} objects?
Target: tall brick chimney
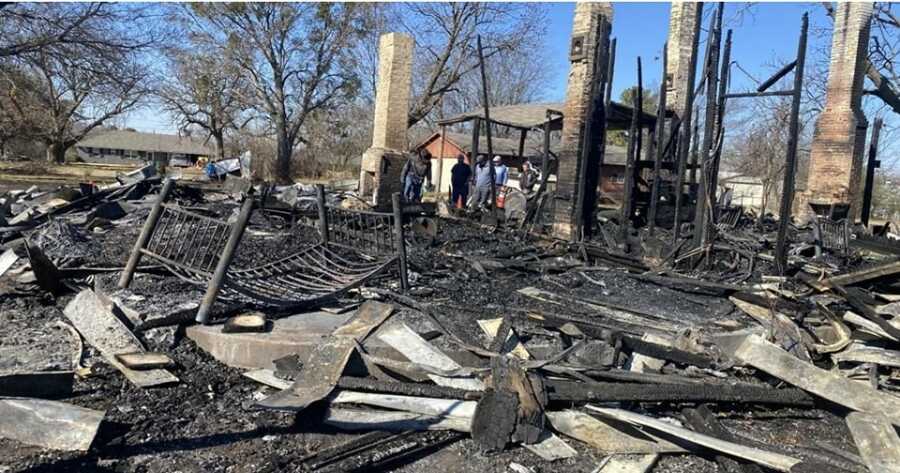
[
  {"x": 683, "y": 17},
  {"x": 840, "y": 134},
  {"x": 585, "y": 25},
  {"x": 381, "y": 164}
]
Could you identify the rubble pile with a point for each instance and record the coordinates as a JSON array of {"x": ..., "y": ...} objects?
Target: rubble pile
[{"x": 506, "y": 352}]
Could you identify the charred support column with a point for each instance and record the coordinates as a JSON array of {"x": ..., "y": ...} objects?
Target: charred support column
[
  {"x": 634, "y": 150},
  {"x": 382, "y": 162},
  {"x": 570, "y": 203},
  {"x": 146, "y": 234},
  {"x": 323, "y": 214},
  {"x": 218, "y": 277},
  {"x": 840, "y": 134},
  {"x": 703, "y": 210},
  {"x": 487, "y": 128},
  {"x": 790, "y": 168},
  {"x": 400, "y": 240},
  {"x": 871, "y": 165},
  {"x": 439, "y": 178},
  {"x": 679, "y": 39},
  {"x": 660, "y": 148}
]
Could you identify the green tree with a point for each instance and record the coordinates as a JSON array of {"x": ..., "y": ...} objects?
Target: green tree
[{"x": 650, "y": 101}]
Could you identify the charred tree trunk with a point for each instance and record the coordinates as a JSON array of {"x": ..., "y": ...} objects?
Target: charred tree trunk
[
  {"x": 56, "y": 153},
  {"x": 283, "y": 157}
]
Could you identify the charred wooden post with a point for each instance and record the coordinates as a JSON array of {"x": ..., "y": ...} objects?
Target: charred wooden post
[
  {"x": 323, "y": 213},
  {"x": 695, "y": 152},
  {"x": 476, "y": 137},
  {"x": 400, "y": 240},
  {"x": 487, "y": 130},
  {"x": 660, "y": 137},
  {"x": 218, "y": 278},
  {"x": 703, "y": 209},
  {"x": 790, "y": 170},
  {"x": 634, "y": 150},
  {"x": 594, "y": 137},
  {"x": 521, "y": 151},
  {"x": 872, "y": 164},
  {"x": 720, "y": 119},
  {"x": 146, "y": 233},
  {"x": 685, "y": 141},
  {"x": 611, "y": 69},
  {"x": 440, "y": 168}
]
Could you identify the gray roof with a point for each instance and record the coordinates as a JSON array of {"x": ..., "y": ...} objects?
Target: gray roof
[{"x": 151, "y": 142}]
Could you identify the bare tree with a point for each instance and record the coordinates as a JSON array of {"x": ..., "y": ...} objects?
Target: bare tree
[
  {"x": 80, "y": 84},
  {"x": 445, "y": 35},
  {"x": 203, "y": 91},
  {"x": 295, "y": 55}
]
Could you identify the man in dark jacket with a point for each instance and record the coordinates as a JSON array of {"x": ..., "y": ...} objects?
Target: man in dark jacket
[
  {"x": 414, "y": 173},
  {"x": 459, "y": 180}
]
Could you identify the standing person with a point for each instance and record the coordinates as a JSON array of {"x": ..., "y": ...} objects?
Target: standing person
[
  {"x": 459, "y": 180},
  {"x": 529, "y": 178},
  {"x": 501, "y": 172},
  {"x": 414, "y": 173},
  {"x": 482, "y": 182}
]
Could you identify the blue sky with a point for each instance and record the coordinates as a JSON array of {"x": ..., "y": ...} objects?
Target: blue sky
[{"x": 764, "y": 33}]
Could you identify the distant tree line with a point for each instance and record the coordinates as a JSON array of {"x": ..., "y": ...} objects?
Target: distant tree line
[{"x": 294, "y": 82}]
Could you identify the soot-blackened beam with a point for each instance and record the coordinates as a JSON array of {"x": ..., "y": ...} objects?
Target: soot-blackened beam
[
  {"x": 790, "y": 171},
  {"x": 634, "y": 149},
  {"x": 660, "y": 137},
  {"x": 487, "y": 128},
  {"x": 720, "y": 126},
  {"x": 872, "y": 164},
  {"x": 777, "y": 76},
  {"x": 704, "y": 208}
]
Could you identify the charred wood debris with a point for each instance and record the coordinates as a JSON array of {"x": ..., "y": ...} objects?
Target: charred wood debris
[{"x": 748, "y": 343}]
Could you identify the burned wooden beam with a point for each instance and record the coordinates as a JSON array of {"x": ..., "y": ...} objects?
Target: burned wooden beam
[
  {"x": 634, "y": 152},
  {"x": 572, "y": 391},
  {"x": 660, "y": 137},
  {"x": 405, "y": 389},
  {"x": 871, "y": 165},
  {"x": 702, "y": 420}
]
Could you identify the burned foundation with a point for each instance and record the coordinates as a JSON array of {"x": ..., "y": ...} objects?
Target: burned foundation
[{"x": 382, "y": 163}]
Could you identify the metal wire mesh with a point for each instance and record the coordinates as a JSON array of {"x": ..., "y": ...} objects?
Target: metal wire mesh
[
  {"x": 188, "y": 241},
  {"x": 369, "y": 232}
]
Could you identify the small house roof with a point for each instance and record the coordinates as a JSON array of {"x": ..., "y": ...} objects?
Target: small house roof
[
  {"x": 148, "y": 142},
  {"x": 534, "y": 115}
]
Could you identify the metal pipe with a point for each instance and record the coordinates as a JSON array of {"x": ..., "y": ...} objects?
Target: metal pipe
[
  {"x": 400, "y": 241},
  {"x": 146, "y": 233},
  {"x": 323, "y": 214},
  {"x": 871, "y": 165},
  {"x": 660, "y": 136},
  {"x": 215, "y": 284},
  {"x": 790, "y": 170},
  {"x": 775, "y": 77}
]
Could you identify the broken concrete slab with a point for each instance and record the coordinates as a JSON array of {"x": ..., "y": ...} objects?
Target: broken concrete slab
[
  {"x": 48, "y": 424},
  {"x": 298, "y": 334},
  {"x": 758, "y": 353},
  {"x": 322, "y": 369},
  {"x": 93, "y": 317}
]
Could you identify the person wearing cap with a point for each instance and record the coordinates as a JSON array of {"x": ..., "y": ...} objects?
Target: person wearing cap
[
  {"x": 501, "y": 172},
  {"x": 528, "y": 179}
]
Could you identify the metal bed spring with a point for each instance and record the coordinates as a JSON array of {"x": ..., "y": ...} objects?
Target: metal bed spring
[
  {"x": 835, "y": 235},
  {"x": 372, "y": 232},
  {"x": 187, "y": 240}
]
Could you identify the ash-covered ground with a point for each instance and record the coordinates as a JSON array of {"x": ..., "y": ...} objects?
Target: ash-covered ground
[{"x": 207, "y": 422}]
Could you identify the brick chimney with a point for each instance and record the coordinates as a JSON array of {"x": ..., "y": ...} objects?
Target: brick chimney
[
  {"x": 840, "y": 134},
  {"x": 585, "y": 25},
  {"x": 683, "y": 17},
  {"x": 381, "y": 164}
]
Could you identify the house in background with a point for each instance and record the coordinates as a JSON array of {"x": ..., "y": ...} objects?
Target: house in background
[
  {"x": 134, "y": 147},
  {"x": 612, "y": 177}
]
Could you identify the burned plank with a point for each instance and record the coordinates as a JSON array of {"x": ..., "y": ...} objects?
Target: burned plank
[
  {"x": 417, "y": 405},
  {"x": 93, "y": 317},
  {"x": 758, "y": 353},
  {"x": 407, "y": 389},
  {"x": 609, "y": 437},
  {"x": 495, "y": 420},
  {"x": 571, "y": 391},
  {"x": 876, "y": 441},
  {"x": 776, "y": 461},
  {"x": 394, "y": 421},
  {"x": 703, "y": 421},
  {"x": 416, "y": 349},
  {"x": 879, "y": 271}
]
